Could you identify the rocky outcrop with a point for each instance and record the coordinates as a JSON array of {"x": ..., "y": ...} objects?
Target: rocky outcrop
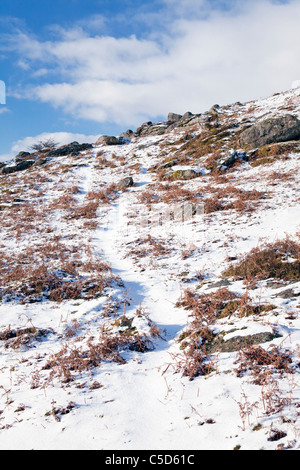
[
  {"x": 144, "y": 129},
  {"x": 269, "y": 131},
  {"x": 23, "y": 165},
  {"x": 127, "y": 135},
  {"x": 109, "y": 140},
  {"x": 172, "y": 117},
  {"x": 71, "y": 149},
  {"x": 218, "y": 344},
  {"x": 231, "y": 160},
  {"x": 25, "y": 160},
  {"x": 161, "y": 127}
]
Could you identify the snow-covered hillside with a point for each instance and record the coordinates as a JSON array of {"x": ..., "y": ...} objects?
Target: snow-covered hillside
[{"x": 150, "y": 288}]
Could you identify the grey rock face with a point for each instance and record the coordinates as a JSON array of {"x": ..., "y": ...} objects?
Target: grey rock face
[
  {"x": 161, "y": 127},
  {"x": 23, "y": 165},
  {"x": 127, "y": 134},
  {"x": 174, "y": 117},
  {"x": 270, "y": 131},
  {"x": 187, "y": 115},
  {"x": 109, "y": 140},
  {"x": 238, "y": 342},
  {"x": 72, "y": 149},
  {"x": 144, "y": 129},
  {"x": 188, "y": 174},
  {"x": 288, "y": 294}
]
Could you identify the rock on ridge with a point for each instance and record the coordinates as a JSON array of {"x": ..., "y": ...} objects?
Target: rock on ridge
[{"x": 272, "y": 130}]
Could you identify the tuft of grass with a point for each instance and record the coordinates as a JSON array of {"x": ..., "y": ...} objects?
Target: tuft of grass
[
  {"x": 279, "y": 260},
  {"x": 16, "y": 338},
  {"x": 270, "y": 153}
]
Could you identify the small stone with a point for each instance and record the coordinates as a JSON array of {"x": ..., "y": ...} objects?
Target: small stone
[{"x": 126, "y": 182}]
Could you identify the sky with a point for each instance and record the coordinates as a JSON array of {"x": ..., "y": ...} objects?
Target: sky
[{"x": 75, "y": 70}]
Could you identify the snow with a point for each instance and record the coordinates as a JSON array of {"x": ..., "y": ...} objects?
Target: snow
[{"x": 145, "y": 403}]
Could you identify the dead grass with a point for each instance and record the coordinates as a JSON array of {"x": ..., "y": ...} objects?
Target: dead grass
[
  {"x": 279, "y": 260},
  {"x": 167, "y": 193},
  {"x": 198, "y": 341},
  {"x": 19, "y": 337},
  {"x": 148, "y": 246},
  {"x": 210, "y": 143},
  {"x": 255, "y": 358},
  {"x": 109, "y": 345},
  {"x": 232, "y": 198},
  {"x": 43, "y": 262},
  {"x": 215, "y": 198},
  {"x": 266, "y": 368},
  {"x": 270, "y": 153},
  {"x": 53, "y": 271}
]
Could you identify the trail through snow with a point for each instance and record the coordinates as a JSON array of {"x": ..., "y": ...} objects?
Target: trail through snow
[{"x": 142, "y": 416}]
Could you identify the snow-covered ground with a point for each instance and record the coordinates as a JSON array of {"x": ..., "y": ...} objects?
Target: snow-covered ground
[{"x": 145, "y": 402}]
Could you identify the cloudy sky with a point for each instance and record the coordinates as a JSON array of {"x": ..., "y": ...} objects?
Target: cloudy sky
[{"x": 77, "y": 69}]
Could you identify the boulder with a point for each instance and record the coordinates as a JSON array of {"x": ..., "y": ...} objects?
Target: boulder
[
  {"x": 214, "y": 109},
  {"x": 127, "y": 135},
  {"x": 124, "y": 183},
  {"x": 71, "y": 149},
  {"x": 109, "y": 140},
  {"x": 23, "y": 165},
  {"x": 231, "y": 160},
  {"x": 236, "y": 343},
  {"x": 187, "y": 115},
  {"x": 172, "y": 117},
  {"x": 161, "y": 127},
  {"x": 156, "y": 129},
  {"x": 288, "y": 294},
  {"x": 186, "y": 174},
  {"x": 269, "y": 131},
  {"x": 144, "y": 128},
  {"x": 189, "y": 174}
]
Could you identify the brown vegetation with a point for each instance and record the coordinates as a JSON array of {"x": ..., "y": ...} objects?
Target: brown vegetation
[
  {"x": 198, "y": 340},
  {"x": 279, "y": 260}
]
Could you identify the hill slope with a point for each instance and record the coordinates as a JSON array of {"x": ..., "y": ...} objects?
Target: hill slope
[{"x": 150, "y": 286}]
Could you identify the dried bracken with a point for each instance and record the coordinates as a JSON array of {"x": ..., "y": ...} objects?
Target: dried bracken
[
  {"x": 279, "y": 260},
  {"x": 198, "y": 341}
]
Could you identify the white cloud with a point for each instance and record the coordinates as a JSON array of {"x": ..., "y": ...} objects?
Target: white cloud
[
  {"x": 60, "y": 138},
  {"x": 251, "y": 50}
]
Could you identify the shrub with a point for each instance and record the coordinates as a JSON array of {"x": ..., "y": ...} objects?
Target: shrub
[{"x": 46, "y": 144}]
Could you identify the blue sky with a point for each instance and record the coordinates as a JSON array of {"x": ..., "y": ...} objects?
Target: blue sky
[{"x": 77, "y": 69}]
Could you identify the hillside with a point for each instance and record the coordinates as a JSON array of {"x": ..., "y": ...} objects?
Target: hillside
[{"x": 150, "y": 286}]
